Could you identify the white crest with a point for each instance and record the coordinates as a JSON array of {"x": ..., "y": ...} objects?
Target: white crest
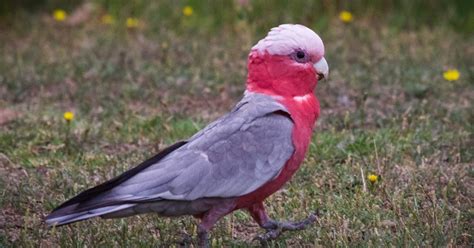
[{"x": 287, "y": 38}]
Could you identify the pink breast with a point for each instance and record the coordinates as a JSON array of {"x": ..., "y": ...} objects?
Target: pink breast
[{"x": 304, "y": 116}]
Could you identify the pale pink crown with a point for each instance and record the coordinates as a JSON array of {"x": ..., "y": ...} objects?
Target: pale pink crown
[{"x": 286, "y": 38}]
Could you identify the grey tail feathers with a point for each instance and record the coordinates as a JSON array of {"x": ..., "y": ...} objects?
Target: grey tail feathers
[
  {"x": 89, "y": 204},
  {"x": 68, "y": 215}
]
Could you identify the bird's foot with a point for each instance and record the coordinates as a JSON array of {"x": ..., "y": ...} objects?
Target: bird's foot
[
  {"x": 276, "y": 228},
  {"x": 186, "y": 241},
  {"x": 203, "y": 236}
]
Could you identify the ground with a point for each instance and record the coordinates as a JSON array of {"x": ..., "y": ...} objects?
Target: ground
[{"x": 385, "y": 110}]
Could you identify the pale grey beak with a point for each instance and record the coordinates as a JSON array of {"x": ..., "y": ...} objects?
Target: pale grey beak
[{"x": 322, "y": 68}]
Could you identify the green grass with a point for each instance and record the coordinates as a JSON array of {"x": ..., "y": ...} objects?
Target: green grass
[{"x": 386, "y": 109}]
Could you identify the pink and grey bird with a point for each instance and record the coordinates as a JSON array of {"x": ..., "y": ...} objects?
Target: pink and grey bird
[{"x": 236, "y": 161}]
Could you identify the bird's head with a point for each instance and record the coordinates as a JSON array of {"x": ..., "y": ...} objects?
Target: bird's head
[{"x": 288, "y": 62}]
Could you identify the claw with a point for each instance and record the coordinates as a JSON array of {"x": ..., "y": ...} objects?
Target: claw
[
  {"x": 268, "y": 236},
  {"x": 275, "y": 229},
  {"x": 186, "y": 241}
]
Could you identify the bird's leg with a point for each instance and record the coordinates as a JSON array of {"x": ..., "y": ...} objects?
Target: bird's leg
[
  {"x": 275, "y": 228},
  {"x": 203, "y": 236},
  {"x": 186, "y": 240},
  {"x": 210, "y": 218}
]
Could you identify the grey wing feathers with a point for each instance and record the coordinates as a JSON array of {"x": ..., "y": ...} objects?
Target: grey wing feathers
[{"x": 231, "y": 157}]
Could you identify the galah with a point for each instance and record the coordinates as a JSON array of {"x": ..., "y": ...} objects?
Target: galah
[{"x": 236, "y": 161}]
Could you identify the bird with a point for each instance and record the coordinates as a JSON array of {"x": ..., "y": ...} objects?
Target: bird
[{"x": 235, "y": 162}]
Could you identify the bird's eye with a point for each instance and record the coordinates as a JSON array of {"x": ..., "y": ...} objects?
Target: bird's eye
[{"x": 300, "y": 56}]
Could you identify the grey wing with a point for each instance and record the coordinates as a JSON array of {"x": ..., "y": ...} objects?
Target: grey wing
[{"x": 231, "y": 157}]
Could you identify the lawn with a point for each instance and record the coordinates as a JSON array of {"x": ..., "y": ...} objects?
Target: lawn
[{"x": 386, "y": 110}]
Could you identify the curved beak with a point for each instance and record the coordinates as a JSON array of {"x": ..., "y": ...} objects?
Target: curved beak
[{"x": 322, "y": 68}]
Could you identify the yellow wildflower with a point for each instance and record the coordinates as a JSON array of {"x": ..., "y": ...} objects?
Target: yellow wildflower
[
  {"x": 132, "y": 22},
  {"x": 188, "y": 10},
  {"x": 373, "y": 178},
  {"x": 451, "y": 75},
  {"x": 59, "y": 15},
  {"x": 345, "y": 16},
  {"x": 107, "y": 19},
  {"x": 68, "y": 116}
]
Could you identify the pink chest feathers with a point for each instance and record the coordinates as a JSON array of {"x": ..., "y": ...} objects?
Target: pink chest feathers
[{"x": 304, "y": 112}]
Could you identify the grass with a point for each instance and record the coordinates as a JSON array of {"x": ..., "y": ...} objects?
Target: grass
[{"x": 386, "y": 109}]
